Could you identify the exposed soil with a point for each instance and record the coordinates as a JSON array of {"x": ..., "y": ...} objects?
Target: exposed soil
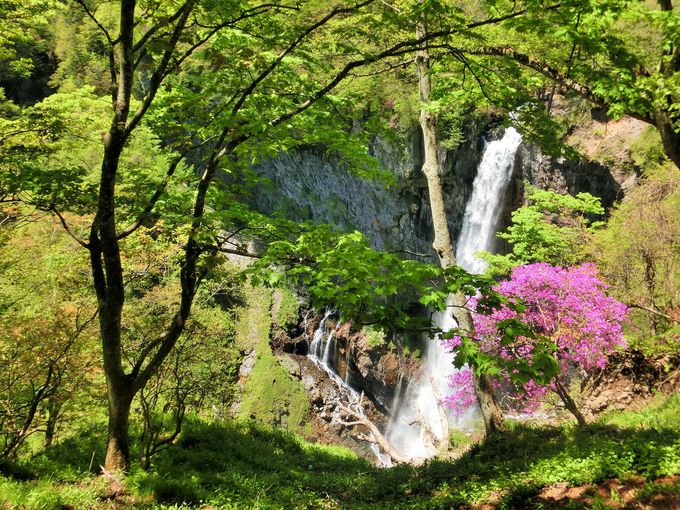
[
  {"x": 631, "y": 380},
  {"x": 662, "y": 494},
  {"x": 600, "y": 139},
  {"x": 631, "y": 494}
]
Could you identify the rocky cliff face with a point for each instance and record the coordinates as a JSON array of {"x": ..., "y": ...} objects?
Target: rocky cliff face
[
  {"x": 569, "y": 176},
  {"x": 313, "y": 185}
]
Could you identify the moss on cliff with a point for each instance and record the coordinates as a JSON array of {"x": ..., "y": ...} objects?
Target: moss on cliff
[{"x": 269, "y": 393}]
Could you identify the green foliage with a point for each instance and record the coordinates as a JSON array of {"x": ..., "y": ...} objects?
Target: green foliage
[
  {"x": 47, "y": 335},
  {"x": 52, "y": 159},
  {"x": 239, "y": 465},
  {"x": 638, "y": 254},
  {"x": 647, "y": 150},
  {"x": 367, "y": 286},
  {"x": 554, "y": 228},
  {"x": 81, "y": 49},
  {"x": 24, "y": 47},
  {"x": 374, "y": 337}
]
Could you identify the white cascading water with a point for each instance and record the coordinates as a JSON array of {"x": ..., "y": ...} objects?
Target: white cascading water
[
  {"x": 485, "y": 206},
  {"x": 321, "y": 351},
  {"x": 416, "y": 420},
  {"x": 319, "y": 344}
]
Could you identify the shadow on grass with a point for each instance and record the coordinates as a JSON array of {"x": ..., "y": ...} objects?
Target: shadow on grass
[
  {"x": 244, "y": 465},
  {"x": 252, "y": 466},
  {"x": 514, "y": 466}
]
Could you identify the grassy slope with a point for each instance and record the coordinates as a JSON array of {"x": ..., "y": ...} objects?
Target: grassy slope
[{"x": 242, "y": 465}]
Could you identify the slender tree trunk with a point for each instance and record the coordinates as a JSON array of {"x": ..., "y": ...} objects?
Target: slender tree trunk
[
  {"x": 670, "y": 65},
  {"x": 486, "y": 395},
  {"x": 443, "y": 245},
  {"x": 105, "y": 261},
  {"x": 107, "y": 272},
  {"x": 570, "y": 404},
  {"x": 53, "y": 410},
  {"x": 669, "y": 137},
  {"x": 488, "y": 403}
]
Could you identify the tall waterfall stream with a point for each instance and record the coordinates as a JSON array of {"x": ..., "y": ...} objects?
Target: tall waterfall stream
[{"x": 416, "y": 425}]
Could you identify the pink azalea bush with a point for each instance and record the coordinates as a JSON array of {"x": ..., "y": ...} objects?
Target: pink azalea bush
[
  {"x": 566, "y": 305},
  {"x": 463, "y": 396}
]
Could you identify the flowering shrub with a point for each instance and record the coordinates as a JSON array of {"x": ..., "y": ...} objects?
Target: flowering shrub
[
  {"x": 463, "y": 395},
  {"x": 565, "y": 306}
]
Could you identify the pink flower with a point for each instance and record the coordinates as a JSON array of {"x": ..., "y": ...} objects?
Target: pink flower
[{"x": 566, "y": 305}]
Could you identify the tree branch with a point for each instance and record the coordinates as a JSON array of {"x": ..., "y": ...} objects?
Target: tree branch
[
  {"x": 653, "y": 311},
  {"x": 160, "y": 72},
  {"x": 161, "y": 24},
  {"x": 291, "y": 47},
  {"x": 248, "y": 13},
  {"x": 400, "y": 48},
  {"x": 101, "y": 27},
  {"x": 146, "y": 212},
  {"x": 550, "y": 72},
  {"x": 82, "y": 243}
]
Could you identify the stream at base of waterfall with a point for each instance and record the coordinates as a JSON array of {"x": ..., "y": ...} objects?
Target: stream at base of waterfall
[{"x": 416, "y": 425}]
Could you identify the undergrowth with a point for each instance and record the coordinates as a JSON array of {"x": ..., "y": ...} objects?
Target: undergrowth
[{"x": 234, "y": 465}]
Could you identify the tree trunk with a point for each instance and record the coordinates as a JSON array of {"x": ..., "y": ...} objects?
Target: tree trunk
[
  {"x": 118, "y": 442},
  {"x": 53, "y": 410},
  {"x": 491, "y": 411},
  {"x": 570, "y": 404},
  {"x": 486, "y": 395},
  {"x": 669, "y": 137},
  {"x": 670, "y": 65},
  {"x": 488, "y": 403}
]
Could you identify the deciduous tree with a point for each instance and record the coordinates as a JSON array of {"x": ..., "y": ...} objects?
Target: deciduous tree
[{"x": 567, "y": 312}]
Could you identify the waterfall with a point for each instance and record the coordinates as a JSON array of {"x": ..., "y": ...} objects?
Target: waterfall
[
  {"x": 319, "y": 344},
  {"x": 416, "y": 425},
  {"x": 485, "y": 206},
  {"x": 321, "y": 350}
]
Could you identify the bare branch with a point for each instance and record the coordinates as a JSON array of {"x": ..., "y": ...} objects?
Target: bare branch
[
  {"x": 231, "y": 251},
  {"x": 359, "y": 418},
  {"x": 389, "y": 67},
  {"x": 101, "y": 27},
  {"x": 654, "y": 312},
  {"x": 82, "y": 243},
  {"x": 414, "y": 253},
  {"x": 163, "y": 23}
]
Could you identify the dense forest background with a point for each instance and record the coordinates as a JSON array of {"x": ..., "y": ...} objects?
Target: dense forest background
[{"x": 159, "y": 261}]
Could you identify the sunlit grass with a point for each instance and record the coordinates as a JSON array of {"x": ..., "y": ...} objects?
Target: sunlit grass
[{"x": 244, "y": 465}]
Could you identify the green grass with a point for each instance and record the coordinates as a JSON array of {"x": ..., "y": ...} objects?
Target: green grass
[
  {"x": 286, "y": 313},
  {"x": 244, "y": 465}
]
